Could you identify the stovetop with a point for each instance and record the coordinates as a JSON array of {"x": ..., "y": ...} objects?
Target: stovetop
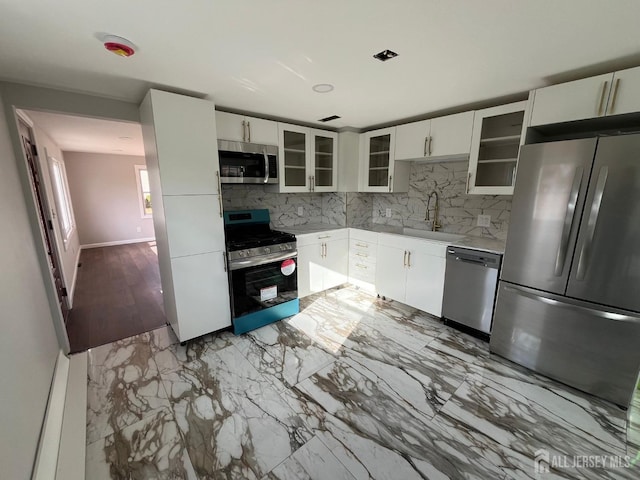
[{"x": 248, "y": 237}]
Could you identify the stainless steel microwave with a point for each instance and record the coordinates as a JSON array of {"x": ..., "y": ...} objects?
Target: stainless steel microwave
[{"x": 242, "y": 162}]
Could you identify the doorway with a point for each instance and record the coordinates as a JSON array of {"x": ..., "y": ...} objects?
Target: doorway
[{"x": 97, "y": 209}]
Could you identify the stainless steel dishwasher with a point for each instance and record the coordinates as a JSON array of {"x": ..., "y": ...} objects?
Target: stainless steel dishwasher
[{"x": 470, "y": 285}]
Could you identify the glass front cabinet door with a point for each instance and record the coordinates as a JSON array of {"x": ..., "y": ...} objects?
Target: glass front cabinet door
[
  {"x": 495, "y": 144},
  {"x": 308, "y": 159},
  {"x": 378, "y": 160}
]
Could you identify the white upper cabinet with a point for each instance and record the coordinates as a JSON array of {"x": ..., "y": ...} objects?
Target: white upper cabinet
[
  {"x": 579, "y": 100},
  {"x": 324, "y": 172},
  {"x": 187, "y": 150},
  {"x": 380, "y": 172},
  {"x": 625, "y": 92},
  {"x": 308, "y": 159},
  {"x": 440, "y": 137},
  {"x": 451, "y": 135},
  {"x": 294, "y": 158},
  {"x": 241, "y": 128},
  {"x": 412, "y": 140},
  {"x": 495, "y": 145}
]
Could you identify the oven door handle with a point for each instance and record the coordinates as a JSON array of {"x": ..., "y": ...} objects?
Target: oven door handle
[{"x": 261, "y": 260}]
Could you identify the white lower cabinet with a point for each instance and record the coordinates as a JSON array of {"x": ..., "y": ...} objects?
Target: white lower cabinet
[
  {"x": 391, "y": 272},
  {"x": 322, "y": 261},
  {"x": 425, "y": 283},
  {"x": 201, "y": 291},
  {"x": 411, "y": 271},
  {"x": 405, "y": 269}
]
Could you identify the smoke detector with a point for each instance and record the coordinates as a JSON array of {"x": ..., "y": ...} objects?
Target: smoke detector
[{"x": 118, "y": 45}]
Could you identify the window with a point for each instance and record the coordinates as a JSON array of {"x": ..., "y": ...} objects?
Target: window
[
  {"x": 144, "y": 191},
  {"x": 63, "y": 200}
]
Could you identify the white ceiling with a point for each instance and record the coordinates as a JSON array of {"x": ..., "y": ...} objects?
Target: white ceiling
[
  {"x": 264, "y": 56},
  {"x": 82, "y": 134}
]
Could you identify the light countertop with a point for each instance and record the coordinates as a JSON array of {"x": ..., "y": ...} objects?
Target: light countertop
[{"x": 468, "y": 241}]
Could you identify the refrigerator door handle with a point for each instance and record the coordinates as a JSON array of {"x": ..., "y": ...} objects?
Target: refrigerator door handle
[
  {"x": 585, "y": 251},
  {"x": 568, "y": 222},
  {"x": 571, "y": 306}
]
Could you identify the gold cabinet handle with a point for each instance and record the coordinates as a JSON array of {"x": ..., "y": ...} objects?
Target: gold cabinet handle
[
  {"x": 249, "y": 130},
  {"x": 405, "y": 259},
  {"x": 426, "y": 140},
  {"x": 362, "y": 245},
  {"x": 601, "y": 103},
  {"x": 409, "y": 259},
  {"x": 244, "y": 131},
  {"x": 615, "y": 95},
  {"x": 430, "y": 144},
  {"x": 390, "y": 178}
]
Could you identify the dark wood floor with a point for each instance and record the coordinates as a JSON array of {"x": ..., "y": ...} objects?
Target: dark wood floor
[{"x": 118, "y": 294}]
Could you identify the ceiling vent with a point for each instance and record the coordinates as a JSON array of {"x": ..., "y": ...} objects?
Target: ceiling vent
[
  {"x": 385, "y": 55},
  {"x": 328, "y": 119}
]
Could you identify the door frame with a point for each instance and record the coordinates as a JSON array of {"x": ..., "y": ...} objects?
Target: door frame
[
  {"x": 26, "y": 97},
  {"x": 45, "y": 216}
]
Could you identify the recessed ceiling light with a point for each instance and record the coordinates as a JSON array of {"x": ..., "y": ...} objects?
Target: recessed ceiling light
[
  {"x": 322, "y": 88},
  {"x": 328, "y": 119},
  {"x": 385, "y": 55}
]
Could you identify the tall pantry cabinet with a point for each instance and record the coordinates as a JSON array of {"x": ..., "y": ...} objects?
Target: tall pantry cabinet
[{"x": 182, "y": 160}]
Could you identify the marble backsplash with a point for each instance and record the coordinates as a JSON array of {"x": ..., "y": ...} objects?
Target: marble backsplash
[
  {"x": 317, "y": 208},
  {"x": 458, "y": 211}
]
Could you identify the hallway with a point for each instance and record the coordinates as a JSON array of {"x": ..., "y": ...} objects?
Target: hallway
[{"x": 118, "y": 294}]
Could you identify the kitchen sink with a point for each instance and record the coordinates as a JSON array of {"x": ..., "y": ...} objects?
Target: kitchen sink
[{"x": 429, "y": 235}]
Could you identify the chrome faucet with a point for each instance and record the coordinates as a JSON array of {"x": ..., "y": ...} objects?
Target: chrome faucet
[{"x": 434, "y": 224}]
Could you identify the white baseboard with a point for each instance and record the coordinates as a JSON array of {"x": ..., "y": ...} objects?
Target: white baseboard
[
  {"x": 49, "y": 445},
  {"x": 73, "y": 439},
  {"x": 118, "y": 242}
]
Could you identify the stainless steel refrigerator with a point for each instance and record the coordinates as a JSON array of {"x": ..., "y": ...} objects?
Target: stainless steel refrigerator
[{"x": 569, "y": 297}]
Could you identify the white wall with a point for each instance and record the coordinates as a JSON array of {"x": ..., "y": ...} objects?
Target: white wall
[
  {"x": 105, "y": 200},
  {"x": 28, "y": 344},
  {"x": 69, "y": 255}
]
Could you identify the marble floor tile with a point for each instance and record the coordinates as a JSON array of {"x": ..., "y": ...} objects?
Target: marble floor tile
[
  {"x": 284, "y": 353},
  {"x": 149, "y": 449},
  {"x": 376, "y": 433},
  {"x": 174, "y": 355},
  {"x": 525, "y": 416},
  {"x": 313, "y": 461},
  {"x": 236, "y": 424},
  {"x": 123, "y": 386},
  {"x": 351, "y": 387}
]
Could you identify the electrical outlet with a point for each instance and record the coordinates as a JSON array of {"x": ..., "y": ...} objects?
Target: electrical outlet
[
  {"x": 300, "y": 211},
  {"x": 388, "y": 212},
  {"x": 484, "y": 220},
  {"x": 139, "y": 229}
]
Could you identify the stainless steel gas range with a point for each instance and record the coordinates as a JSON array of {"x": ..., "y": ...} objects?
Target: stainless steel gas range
[{"x": 262, "y": 270}]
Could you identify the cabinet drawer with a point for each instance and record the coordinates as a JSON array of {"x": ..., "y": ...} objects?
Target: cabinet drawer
[
  {"x": 362, "y": 270},
  {"x": 363, "y": 255},
  {"x": 363, "y": 235},
  {"x": 320, "y": 237},
  {"x": 361, "y": 245}
]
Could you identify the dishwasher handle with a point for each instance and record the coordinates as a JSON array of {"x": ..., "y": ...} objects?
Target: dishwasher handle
[{"x": 476, "y": 257}]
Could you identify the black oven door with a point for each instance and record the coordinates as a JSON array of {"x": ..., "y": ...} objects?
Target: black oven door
[{"x": 255, "y": 288}]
